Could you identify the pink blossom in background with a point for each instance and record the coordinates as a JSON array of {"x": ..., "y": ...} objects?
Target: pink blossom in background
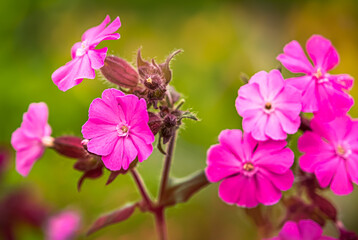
[
  {"x": 322, "y": 93},
  {"x": 85, "y": 58},
  {"x": 32, "y": 137},
  {"x": 270, "y": 108},
  {"x": 302, "y": 230},
  {"x": 250, "y": 172},
  {"x": 63, "y": 226},
  {"x": 331, "y": 153},
  {"x": 118, "y": 129}
]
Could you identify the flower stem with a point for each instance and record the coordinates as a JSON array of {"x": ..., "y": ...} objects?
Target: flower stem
[
  {"x": 160, "y": 224},
  {"x": 142, "y": 189},
  {"x": 167, "y": 164}
]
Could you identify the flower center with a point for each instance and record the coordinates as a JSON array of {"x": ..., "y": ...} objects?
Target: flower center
[
  {"x": 149, "y": 80},
  {"x": 248, "y": 167},
  {"x": 82, "y": 50},
  {"x": 122, "y": 130},
  {"x": 321, "y": 77},
  {"x": 268, "y": 108},
  {"x": 342, "y": 151}
]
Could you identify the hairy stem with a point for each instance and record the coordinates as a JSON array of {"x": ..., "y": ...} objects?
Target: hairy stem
[
  {"x": 142, "y": 189},
  {"x": 160, "y": 224},
  {"x": 167, "y": 164}
]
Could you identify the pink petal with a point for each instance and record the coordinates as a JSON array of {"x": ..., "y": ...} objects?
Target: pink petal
[
  {"x": 341, "y": 183},
  {"x": 289, "y": 102},
  {"x": 300, "y": 83},
  {"x": 114, "y": 160},
  {"x": 310, "y": 98},
  {"x": 35, "y": 121},
  {"x": 270, "y": 83},
  {"x": 288, "y": 125},
  {"x": 144, "y": 149},
  {"x": 26, "y": 158},
  {"x": 274, "y": 129},
  {"x": 322, "y": 53},
  {"x": 277, "y": 162},
  {"x": 129, "y": 153},
  {"x": 102, "y": 112},
  {"x": 310, "y": 142},
  {"x": 325, "y": 171},
  {"x": 20, "y": 141},
  {"x": 258, "y": 131},
  {"x": 249, "y": 99},
  {"x": 127, "y": 103},
  {"x": 290, "y": 231},
  {"x": 310, "y": 161},
  {"x": 97, "y": 57},
  {"x": 104, "y": 144},
  {"x": 282, "y": 181},
  {"x": 294, "y": 59},
  {"x": 231, "y": 140},
  {"x": 96, "y": 128},
  {"x": 73, "y": 73},
  {"x": 232, "y": 188},
  {"x": 140, "y": 114},
  {"x": 342, "y": 81},
  {"x": 142, "y": 131},
  {"x": 109, "y": 96},
  {"x": 247, "y": 196},
  {"x": 100, "y": 33},
  {"x": 74, "y": 48},
  {"x": 267, "y": 193},
  {"x": 221, "y": 163},
  {"x": 309, "y": 230},
  {"x": 352, "y": 167},
  {"x": 332, "y": 103}
]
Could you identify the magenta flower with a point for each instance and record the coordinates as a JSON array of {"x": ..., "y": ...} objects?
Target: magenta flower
[
  {"x": 270, "y": 108},
  {"x": 63, "y": 226},
  {"x": 118, "y": 129},
  {"x": 32, "y": 137},
  {"x": 331, "y": 153},
  {"x": 322, "y": 93},
  {"x": 251, "y": 172},
  {"x": 302, "y": 230},
  {"x": 85, "y": 58}
]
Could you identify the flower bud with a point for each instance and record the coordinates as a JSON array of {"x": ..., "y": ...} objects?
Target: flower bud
[
  {"x": 70, "y": 146},
  {"x": 120, "y": 72},
  {"x": 155, "y": 122}
]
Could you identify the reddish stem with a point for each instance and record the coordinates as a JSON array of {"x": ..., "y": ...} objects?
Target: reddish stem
[{"x": 142, "y": 189}]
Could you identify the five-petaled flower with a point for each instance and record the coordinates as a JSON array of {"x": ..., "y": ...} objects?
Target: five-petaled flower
[
  {"x": 32, "y": 137},
  {"x": 331, "y": 152},
  {"x": 302, "y": 230},
  {"x": 270, "y": 108},
  {"x": 63, "y": 226},
  {"x": 251, "y": 172},
  {"x": 85, "y": 58},
  {"x": 322, "y": 93},
  {"x": 118, "y": 129}
]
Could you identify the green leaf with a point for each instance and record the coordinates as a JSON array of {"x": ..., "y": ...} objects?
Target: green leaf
[
  {"x": 180, "y": 190},
  {"x": 117, "y": 216}
]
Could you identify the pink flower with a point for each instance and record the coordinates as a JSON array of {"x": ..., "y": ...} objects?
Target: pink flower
[
  {"x": 331, "y": 153},
  {"x": 251, "y": 172},
  {"x": 322, "y": 93},
  {"x": 32, "y": 137},
  {"x": 118, "y": 129},
  {"x": 270, "y": 108},
  {"x": 85, "y": 58},
  {"x": 63, "y": 226},
  {"x": 302, "y": 230}
]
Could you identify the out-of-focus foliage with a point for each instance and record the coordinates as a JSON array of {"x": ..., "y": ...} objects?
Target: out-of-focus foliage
[{"x": 220, "y": 39}]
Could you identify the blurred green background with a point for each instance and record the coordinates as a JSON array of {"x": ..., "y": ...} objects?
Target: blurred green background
[{"x": 220, "y": 40}]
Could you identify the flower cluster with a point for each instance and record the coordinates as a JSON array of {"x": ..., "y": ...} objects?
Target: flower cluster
[{"x": 254, "y": 166}]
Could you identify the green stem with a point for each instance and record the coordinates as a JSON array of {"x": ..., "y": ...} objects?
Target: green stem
[
  {"x": 167, "y": 164},
  {"x": 142, "y": 189}
]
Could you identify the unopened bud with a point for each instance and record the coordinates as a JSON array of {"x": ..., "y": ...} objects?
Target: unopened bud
[
  {"x": 70, "y": 146},
  {"x": 120, "y": 72},
  {"x": 155, "y": 122}
]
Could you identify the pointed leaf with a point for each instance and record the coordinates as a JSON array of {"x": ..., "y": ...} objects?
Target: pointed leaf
[
  {"x": 117, "y": 216},
  {"x": 180, "y": 190}
]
